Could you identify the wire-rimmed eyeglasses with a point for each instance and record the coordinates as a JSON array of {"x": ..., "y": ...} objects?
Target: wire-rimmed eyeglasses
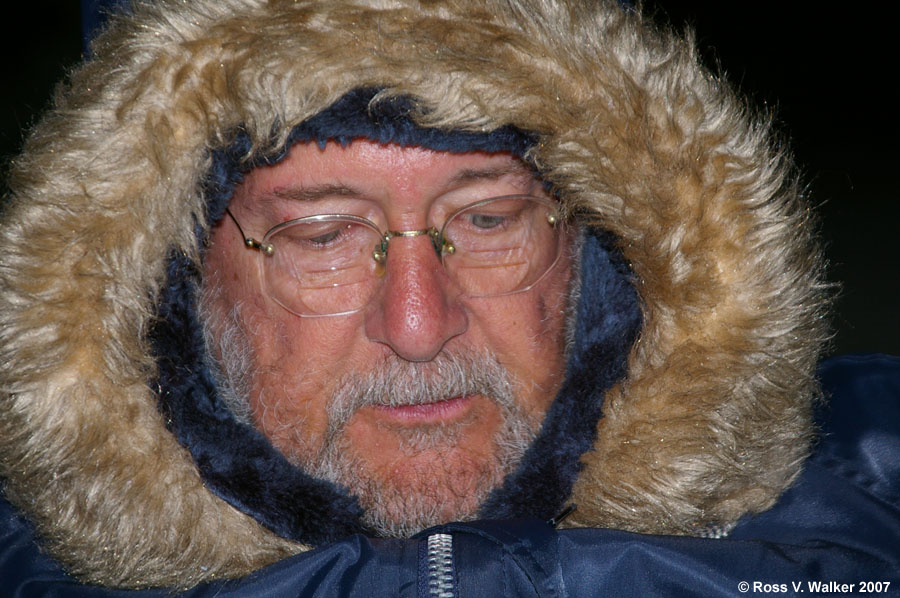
[{"x": 331, "y": 264}]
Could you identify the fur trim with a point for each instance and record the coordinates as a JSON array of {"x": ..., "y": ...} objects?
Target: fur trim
[{"x": 712, "y": 418}]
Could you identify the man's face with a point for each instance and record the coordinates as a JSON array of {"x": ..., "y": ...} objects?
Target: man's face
[{"x": 421, "y": 402}]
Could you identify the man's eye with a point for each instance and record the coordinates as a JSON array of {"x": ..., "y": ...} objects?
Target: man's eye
[
  {"x": 314, "y": 236},
  {"x": 486, "y": 221},
  {"x": 326, "y": 238}
]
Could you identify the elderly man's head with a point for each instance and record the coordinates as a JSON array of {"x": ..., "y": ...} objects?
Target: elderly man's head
[{"x": 413, "y": 369}]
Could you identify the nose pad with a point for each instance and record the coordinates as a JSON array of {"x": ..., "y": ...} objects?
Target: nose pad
[{"x": 417, "y": 309}]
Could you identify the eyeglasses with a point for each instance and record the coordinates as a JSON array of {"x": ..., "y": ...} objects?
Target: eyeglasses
[{"x": 331, "y": 264}]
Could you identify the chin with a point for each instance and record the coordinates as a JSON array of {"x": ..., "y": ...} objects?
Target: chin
[
  {"x": 418, "y": 479},
  {"x": 425, "y": 490}
]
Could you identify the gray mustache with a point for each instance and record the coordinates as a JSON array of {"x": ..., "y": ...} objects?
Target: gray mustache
[{"x": 399, "y": 383}]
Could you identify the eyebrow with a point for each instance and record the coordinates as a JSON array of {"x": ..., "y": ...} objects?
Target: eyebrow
[
  {"x": 315, "y": 192},
  {"x": 492, "y": 173}
]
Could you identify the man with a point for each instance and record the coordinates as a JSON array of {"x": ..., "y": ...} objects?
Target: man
[
  {"x": 426, "y": 384},
  {"x": 295, "y": 275}
]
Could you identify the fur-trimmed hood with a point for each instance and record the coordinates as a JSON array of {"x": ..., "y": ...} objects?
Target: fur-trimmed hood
[{"x": 701, "y": 362}]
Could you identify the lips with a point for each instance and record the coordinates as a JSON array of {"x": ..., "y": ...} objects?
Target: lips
[{"x": 445, "y": 411}]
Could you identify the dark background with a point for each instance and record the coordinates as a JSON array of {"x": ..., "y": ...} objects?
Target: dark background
[{"x": 826, "y": 73}]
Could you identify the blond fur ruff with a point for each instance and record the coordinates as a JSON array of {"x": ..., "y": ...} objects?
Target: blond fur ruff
[{"x": 712, "y": 420}]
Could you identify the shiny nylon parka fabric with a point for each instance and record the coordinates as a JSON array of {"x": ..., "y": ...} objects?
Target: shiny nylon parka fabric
[{"x": 712, "y": 420}]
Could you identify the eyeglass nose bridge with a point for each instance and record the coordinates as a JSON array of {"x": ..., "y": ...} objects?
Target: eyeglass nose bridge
[{"x": 441, "y": 245}]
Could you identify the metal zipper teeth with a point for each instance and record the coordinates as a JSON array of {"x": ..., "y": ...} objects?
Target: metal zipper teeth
[{"x": 440, "y": 566}]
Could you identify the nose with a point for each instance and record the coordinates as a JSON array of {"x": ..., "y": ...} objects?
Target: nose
[{"x": 417, "y": 309}]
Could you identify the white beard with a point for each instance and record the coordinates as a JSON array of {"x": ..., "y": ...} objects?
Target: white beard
[
  {"x": 393, "y": 508},
  {"x": 440, "y": 490}
]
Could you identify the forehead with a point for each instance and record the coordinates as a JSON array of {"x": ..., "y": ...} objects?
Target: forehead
[{"x": 374, "y": 167}]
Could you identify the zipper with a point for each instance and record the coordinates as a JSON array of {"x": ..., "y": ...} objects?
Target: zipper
[{"x": 440, "y": 582}]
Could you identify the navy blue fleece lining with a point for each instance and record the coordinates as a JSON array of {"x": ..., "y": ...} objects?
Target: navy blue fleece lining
[
  {"x": 236, "y": 461},
  {"x": 607, "y": 324}
]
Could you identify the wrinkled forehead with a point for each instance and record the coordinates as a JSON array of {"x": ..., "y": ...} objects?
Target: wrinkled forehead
[
  {"x": 366, "y": 169},
  {"x": 360, "y": 114}
]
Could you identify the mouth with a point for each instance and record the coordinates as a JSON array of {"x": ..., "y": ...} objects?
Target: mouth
[{"x": 445, "y": 411}]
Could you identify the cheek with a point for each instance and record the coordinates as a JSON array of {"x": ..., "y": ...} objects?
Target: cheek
[
  {"x": 539, "y": 314},
  {"x": 527, "y": 332},
  {"x": 302, "y": 360},
  {"x": 309, "y": 354},
  {"x": 298, "y": 363}
]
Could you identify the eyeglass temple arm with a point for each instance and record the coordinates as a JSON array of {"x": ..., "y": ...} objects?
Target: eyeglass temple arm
[{"x": 248, "y": 241}]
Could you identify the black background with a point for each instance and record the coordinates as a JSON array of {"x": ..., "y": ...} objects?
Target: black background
[{"x": 827, "y": 74}]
